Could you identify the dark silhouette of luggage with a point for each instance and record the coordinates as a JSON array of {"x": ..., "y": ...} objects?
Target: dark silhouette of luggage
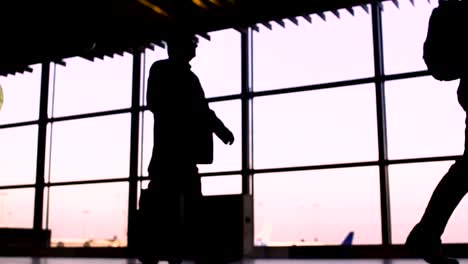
[{"x": 160, "y": 230}]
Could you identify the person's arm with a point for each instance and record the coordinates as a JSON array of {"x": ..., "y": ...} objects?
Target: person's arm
[
  {"x": 156, "y": 85},
  {"x": 218, "y": 127},
  {"x": 220, "y": 130},
  {"x": 167, "y": 102}
]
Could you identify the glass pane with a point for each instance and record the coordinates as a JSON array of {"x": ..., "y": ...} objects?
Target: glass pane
[
  {"x": 404, "y": 31},
  {"x": 45, "y": 209},
  {"x": 146, "y": 137},
  {"x": 318, "y": 127},
  {"x": 319, "y": 52},
  {"x": 18, "y": 152},
  {"x": 227, "y": 157},
  {"x": 142, "y": 185},
  {"x": 48, "y": 153},
  {"x": 84, "y": 86},
  {"x": 221, "y": 185},
  {"x": 150, "y": 57},
  {"x": 91, "y": 148},
  {"x": 93, "y": 214},
  {"x": 317, "y": 207},
  {"x": 424, "y": 118},
  {"x": 17, "y": 208},
  {"x": 218, "y": 63},
  {"x": 21, "y": 95},
  {"x": 411, "y": 187}
]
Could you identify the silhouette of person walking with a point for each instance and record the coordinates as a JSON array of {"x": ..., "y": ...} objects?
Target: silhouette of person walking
[
  {"x": 448, "y": 62},
  {"x": 183, "y": 137}
]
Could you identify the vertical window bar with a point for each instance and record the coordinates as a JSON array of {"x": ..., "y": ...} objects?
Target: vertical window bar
[
  {"x": 41, "y": 147},
  {"x": 135, "y": 118},
  {"x": 247, "y": 146},
  {"x": 246, "y": 46},
  {"x": 381, "y": 122}
]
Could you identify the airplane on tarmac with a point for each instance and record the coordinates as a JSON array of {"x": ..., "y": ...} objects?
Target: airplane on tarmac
[{"x": 263, "y": 240}]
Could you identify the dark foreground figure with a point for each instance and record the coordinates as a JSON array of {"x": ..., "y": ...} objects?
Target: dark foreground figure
[
  {"x": 171, "y": 214},
  {"x": 445, "y": 55}
]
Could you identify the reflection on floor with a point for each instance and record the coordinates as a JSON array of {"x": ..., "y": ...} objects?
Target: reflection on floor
[{"x": 12, "y": 260}]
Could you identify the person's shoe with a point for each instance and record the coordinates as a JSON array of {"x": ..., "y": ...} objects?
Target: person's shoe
[
  {"x": 440, "y": 260},
  {"x": 147, "y": 260},
  {"x": 174, "y": 261},
  {"x": 420, "y": 245}
]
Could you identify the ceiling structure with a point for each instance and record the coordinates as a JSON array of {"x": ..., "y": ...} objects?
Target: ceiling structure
[{"x": 52, "y": 30}]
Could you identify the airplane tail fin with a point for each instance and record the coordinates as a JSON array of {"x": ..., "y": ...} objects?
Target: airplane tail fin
[{"x": 348, "y": 241}]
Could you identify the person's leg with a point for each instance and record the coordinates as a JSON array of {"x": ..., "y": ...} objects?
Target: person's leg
[
  {"x": 447, "y": 195},
  {"x": 425, "y": 238},
  {"x": 159, "y": 210},
  {"x": 195, "y": 228}
]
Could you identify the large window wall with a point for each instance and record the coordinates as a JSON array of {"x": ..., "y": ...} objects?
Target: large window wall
[
  {"x": 338, "y": 129},
  {"x": 18, "y": 147},
  {"x": 315, "y": 107}
]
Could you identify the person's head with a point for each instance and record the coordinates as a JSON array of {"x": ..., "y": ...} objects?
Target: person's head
[{"x": 181, "y": 45}]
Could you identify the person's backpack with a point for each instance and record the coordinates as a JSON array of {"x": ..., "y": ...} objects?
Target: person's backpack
[{"x": 443, "y": 47}]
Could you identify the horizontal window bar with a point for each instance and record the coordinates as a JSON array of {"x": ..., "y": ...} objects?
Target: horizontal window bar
[
  {"x": 315, "y": 87},
  {"x": 88, "y": 115},
  {"x": 86, "y": 182},
  {"x": 408, "y": 75},
  {"x": 17, "y": 186},
  {"x": 28, "y": 123}
]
